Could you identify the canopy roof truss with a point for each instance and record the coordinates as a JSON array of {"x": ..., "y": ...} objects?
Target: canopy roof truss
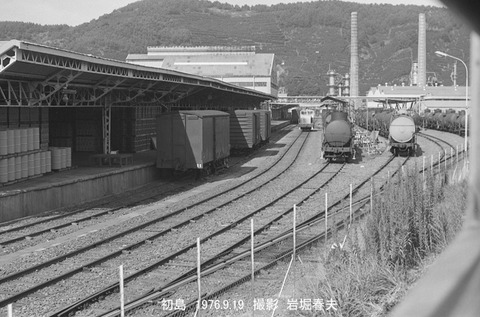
[{"x": 37, "y": 75}]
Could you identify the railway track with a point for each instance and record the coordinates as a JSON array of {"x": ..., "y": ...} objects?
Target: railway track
[
  {"x": 444, "y": 155},
  {"x": 127, "y": 250},
  {"x": 235, "y": 265},
  {"x": 51, "y": 223},
  {"x": 91, "y": 264}
]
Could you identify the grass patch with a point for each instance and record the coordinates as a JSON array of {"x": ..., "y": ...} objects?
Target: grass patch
[{"x": 412, "y": 221}]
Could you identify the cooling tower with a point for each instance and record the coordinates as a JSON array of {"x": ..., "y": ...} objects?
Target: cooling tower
[
  {"x": 354, "y": 58},
  {"x": 422, "y": 51}
]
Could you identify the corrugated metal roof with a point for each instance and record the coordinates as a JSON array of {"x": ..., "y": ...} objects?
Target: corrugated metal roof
[
  {"x": 213, "y": 65},
  {"x": 205, "y": 113},
  {"x": 29, "y": 61}
]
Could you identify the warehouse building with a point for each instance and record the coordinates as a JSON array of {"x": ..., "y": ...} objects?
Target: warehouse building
[
  {"x": 240, "y": 66},
  {"x": 61, "y": 109}
]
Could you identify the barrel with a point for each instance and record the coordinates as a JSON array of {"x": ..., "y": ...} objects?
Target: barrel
[
  {"x": 36, "y": 138},
  {"x": 18, "y": 167},
  {"x": 3, "y": 170},
  {"x": 17, "y": 140},
  {"x": 11, "y": 141},
  {"x": 3, "y": 142},
  {"x": 23, "y": 140},
  {"x": 36, "y": 164},
  {"x": 63, "y": 152},
  {"x": 48, "y": 161},
  {"x": 31, "y": 164},
  {"x": 69, "y": 156},
  {"x": 24, "y": 166},
  {"x": 43, "y": 162},
  {"x": 11, "y": 169},
  {"x": 30, "y": 139},
  {"x": 56, "y": 158}
]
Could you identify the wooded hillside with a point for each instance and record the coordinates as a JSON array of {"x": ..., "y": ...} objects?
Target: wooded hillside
[{"x": 307, "y": 38}]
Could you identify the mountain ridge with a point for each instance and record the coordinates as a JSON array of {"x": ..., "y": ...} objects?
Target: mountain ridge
[{"x": 307, "y": 38}]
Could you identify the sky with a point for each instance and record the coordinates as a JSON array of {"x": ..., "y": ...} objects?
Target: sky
[{"x": 75, "y": 12}]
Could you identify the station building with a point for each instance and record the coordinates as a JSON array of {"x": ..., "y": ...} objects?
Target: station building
[{"x": 240, "y": 66}]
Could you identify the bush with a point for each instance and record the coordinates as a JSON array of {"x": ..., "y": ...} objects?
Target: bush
[{"x": 411, "y": 222}]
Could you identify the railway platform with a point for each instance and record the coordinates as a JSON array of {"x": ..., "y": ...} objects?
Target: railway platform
[
  {"x": 278, "y": 124},
  {"x": 84, "y": 181}
]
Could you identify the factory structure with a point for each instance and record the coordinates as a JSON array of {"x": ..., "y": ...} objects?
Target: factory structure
[
  {"x": 240, "y": 66},
  {"x": 424, "y": 91}
]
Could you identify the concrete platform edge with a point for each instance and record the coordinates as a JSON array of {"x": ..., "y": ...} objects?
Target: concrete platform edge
[{"x": 31, "y": 201}]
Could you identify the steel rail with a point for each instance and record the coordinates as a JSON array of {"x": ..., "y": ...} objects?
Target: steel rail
[
  {"x": 111, "y": 288},
  {"x": 130, "y": 247},
  {"x": 65, "y": 215},
  {"x": 190, "y": 277}
]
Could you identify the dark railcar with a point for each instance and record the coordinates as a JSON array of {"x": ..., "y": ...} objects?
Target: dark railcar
[
  {"x": 193, "y": 139},
  {"x": 244, "y": 129},
  {"x": 265, "y": 125},
  {"x": 338, "y": 136},
  {"x": 294, "y": 115}
]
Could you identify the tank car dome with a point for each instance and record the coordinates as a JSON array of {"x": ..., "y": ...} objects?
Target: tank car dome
[
  {"x": 338, "y": 133},
  {"x": 402, "y": 129}
]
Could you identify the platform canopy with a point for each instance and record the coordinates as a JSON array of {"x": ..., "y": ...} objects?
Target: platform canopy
[{"x": 38, "y": 75}]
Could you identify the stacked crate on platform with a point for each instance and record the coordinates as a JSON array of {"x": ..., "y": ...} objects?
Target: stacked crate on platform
[
  {"x": 13, "y": 117},
  {"x": 24, "y": 116},
  {"x": 3, "y": 117},
  {"x": 44, "y": 127},
  {"x": 143, "y": 128},
  {"x": 86, "y": 131},
  {"x": 60, "y": 133}
]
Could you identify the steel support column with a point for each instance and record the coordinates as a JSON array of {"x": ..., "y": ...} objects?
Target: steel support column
[{"x": 107, "y": 116}]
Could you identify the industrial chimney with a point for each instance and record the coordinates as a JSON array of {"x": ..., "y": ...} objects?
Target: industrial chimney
[
  {"x": 422, "y": 51},
  {"x": 354, "y": 59}
]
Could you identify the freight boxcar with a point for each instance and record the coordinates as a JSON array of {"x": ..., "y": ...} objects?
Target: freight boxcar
[
  {"x": 265, "y": 125},
  {"x": 244, "y": 130},
  {"x": 294, "y": 115},
  {"x": 193, "y": 140}
]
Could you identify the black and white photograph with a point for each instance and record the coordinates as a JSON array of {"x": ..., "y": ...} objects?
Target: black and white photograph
[{"x": 239, "y": 158}]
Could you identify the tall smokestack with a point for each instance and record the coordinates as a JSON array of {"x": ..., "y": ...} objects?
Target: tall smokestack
[
  {"x": 354, "y": 59},
  {"x": 422, "y": 51}
]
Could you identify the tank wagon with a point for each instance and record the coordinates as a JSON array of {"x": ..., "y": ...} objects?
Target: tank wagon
[
  {"x": 197, "y": 139},
  {"x": 338, "y": 136},
  {"x": 450, "y": 121},
  {"x": 399, "y": 129},
  {"x": 306, "y": 119},
  {"x": 245, "y": 131},
  {"x": 402, "y": 135}
]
